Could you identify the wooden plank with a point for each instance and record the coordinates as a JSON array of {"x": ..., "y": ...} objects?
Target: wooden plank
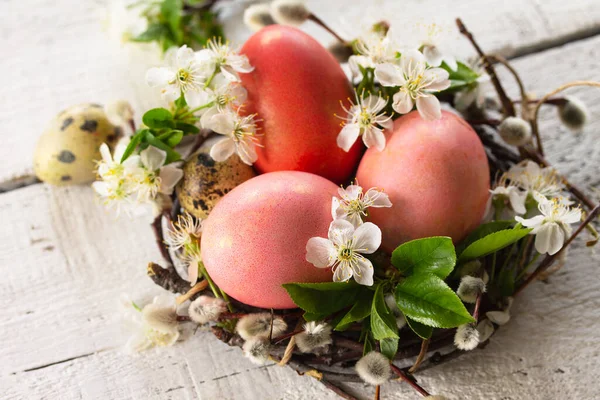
[{"x": 57, "y": 61}]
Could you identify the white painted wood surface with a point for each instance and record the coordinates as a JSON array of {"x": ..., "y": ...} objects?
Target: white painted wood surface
[{"x": 64, "y": 260}]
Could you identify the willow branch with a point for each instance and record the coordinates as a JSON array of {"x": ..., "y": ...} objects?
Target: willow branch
[
  {"x": 411, "y": 381},
  {"x": 323, "y": 25}
]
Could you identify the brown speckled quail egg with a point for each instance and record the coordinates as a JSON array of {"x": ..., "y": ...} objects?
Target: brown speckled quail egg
[
  {"x": 66, "y": 152},
  {"x": 206, "y": 181}
]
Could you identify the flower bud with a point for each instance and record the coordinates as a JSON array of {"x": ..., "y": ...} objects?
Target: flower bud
[
  {"x": 469, "y": 288},
  {"x": 257, "y": 16},
  {"x": 374, "y": 368},
  {"x": 257, "y": 350},
  {"x": 341, "y": 51},
  {"x": 381, "y": 28},
  {"x": 289, "y": 12},
  {"x": 515, "y": 131},
  {"x": 573, "y": 113},
  {"x": 315, "y": 335},
  {"x": 205, "y": 309},
  {"x": 466, "y": 337},
  {"x": 259, "y": 325}
]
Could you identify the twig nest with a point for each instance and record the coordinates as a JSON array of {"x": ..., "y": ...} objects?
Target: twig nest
[
  {"x": 515, "y": 131},
  {"x": 374, "y": 368},
  {"x": 67, "y": 150},
  {"x": 205, "y": 181},
  {"x": 573, "y": 113}
]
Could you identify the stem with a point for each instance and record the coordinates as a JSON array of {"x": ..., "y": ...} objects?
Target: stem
[
  {"x": 524, "y": 270},
  {"x": 507, "y": 105},
  {"x": 312, "y": 17},
  {"x": 226, "y": 298},
  {"x": 402, "y": 375},
  {"x": 337, "y": 390},
  {"x": 477, "y": 307},
  {"x": 546, "y": 262},
  {"x": 197, "y": 288},
  {"x": 420, "y": 357},
  {"x": 493, "y": 267},
  {"x": 193, "y": 110},
  {"x": 377, "y": 392},
  {"x": 212, "y": 285},
  {"x": 138, "y": 308},
  {"x": 210, "y": 78},
  {"x": 536, "y": 109}
]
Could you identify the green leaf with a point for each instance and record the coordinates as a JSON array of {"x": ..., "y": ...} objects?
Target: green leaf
[
  {"x": 383, "y": 322},
  {"x": 188, "y": 129},
  {"x": 389, "y": 347},
  {"x": 463, "y": 78},
  {"x": 492, "y": 243},
  {"x": 428, "y": 300},
  {"x": 171, "y": 11},
  {"x": 172, "y": 155},
  {"x": 158, "y": 118},
  {"x": 359, "y": 311},
  {"x": 323, "y": 298},
  {"x": 133, "y": 144},
  {"x": 180, "y": 102},
  {"x": 154, "y": 32},
  {"x": 434, "y": 255},
  {"x": 423, "y": 331},
  {"x": 482, "y": 231},
  {"x": 171, "y": 138}
]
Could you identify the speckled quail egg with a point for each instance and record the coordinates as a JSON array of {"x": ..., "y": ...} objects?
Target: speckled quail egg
[
  {"x": 206, "y": 181},
  {"x": 66, "y": 152}
]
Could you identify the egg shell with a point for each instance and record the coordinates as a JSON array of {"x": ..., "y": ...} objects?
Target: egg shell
[
  {"x": 67, "y": 150},
  {"x": 206, "y": 181},
  {"x": 436, "y": 174},
  {"x": 255, "y": 239},
  {"x": 296, "y": 88}
]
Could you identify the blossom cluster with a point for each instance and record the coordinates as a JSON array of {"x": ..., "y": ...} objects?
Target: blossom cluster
[
  {"x": 349, "y": 236},
  {"x": 139, "y": 180},
  {"x": 210, "y": 83},
  {"x": 183, "y": 239},
  {"x": 527, "y": 188}
]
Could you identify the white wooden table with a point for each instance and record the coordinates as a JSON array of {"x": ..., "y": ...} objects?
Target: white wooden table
[{"x": 64, "y": 260}]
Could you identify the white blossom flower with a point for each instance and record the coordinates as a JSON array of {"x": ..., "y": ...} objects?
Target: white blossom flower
[
  {"x": 289, "y": 12},
  {"x": 154, "y": 176},
  {"x": 224, "y": 95},
  {"x": 367, "y": 119},
  {"x": 257, "y": 350},
  {"x": 432, "y": 49},
  {"x": 374, "y": 49},
  {"x": 185, "y": 235},
  {"x": 223, "y": 59},
  {"x": 240, "y": 137},
  {"x": 531, "y": 177},
  {"x": 186, "y": 75},
  {"x": 466, "y": 337},
  {"x": 552, "y": 228},
  {"x": 511, "y": 195},
  {"x": 191, "y": 259},
  {"x": 344, "y": 249},
  {"x": 469, "y": 288},
  {"x": 354, "y": 203},
  {"x": 374, "y": 368},
  {"x": 315, "y": 335},
  {"x": 206, "y": 309},
  {"x": 260, "y": 325},
  {"x": 155, "y": 325},
  {"x": 417, "y": 82}
]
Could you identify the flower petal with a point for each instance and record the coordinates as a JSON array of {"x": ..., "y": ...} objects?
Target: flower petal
[
  {"x": 352, "y": 192},
  {"x": 340, "y": 231},
  {"x": 185, "y": 57},
  {"x": 438, "y": 78},
  {"x": 246, "y": 149},
  {"x": 429, "y": 107},
  {"x": 169, "y": 176},
  {"x": 335, "y": 206},
  {"x": 347, "y": 136},
  {"x": 159, "y": 77},
  {"x": 342, "y": 273},
  {"x": 413, "y": 63},
  {"x": 533, "y": 222},
  {"x": 433, "y": 55},
  {"x": 373, "y": 137},
  {"x": 320, "y": 252},
  {"x": 363, "y": 273},
  {"x": 223, "y": 149},
  {"x": 388, "y": 75},
  {"x": 197, "y": 98},
  {"x": 193, "y": 273},
  {"x": 377, "y": 198},
  {"x": 153, "y": 158},
  {"x": 367, "y": 238},
  {"x": 223, "y": 123},
  {"x": 402, "y": 102}
]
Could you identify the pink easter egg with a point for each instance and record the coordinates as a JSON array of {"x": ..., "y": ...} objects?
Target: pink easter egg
[
  {"x": 437, "y": 177},
  {"x": 254, "y": 240}
]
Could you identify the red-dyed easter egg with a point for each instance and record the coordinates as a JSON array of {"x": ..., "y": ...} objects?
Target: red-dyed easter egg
[
  {"x": 254, "y": 240},
  {"x": 436, "y": 174},
  {"x": 296, "y": 88}
]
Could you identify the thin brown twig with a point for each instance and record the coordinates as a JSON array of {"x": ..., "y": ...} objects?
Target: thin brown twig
[
  {"x": 507, "y": 105},
  {"x": 411, "y": 381},
  {"x": 420, "y": 357},
  {"x": 536, "y": 109},
  {"x": 323, "y": 25},
  {"x": 547, "y": 262},
  {"x": 377, "y": 392}
]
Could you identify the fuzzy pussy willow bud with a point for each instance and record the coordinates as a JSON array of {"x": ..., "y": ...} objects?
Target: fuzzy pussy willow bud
[
  {"x": 515, "y": 131},
  {"x": 374, "y": 368},
  {"x": 573, "y": 113},
  {"x": 289, "y": 12},
  {"x": 257, "y": 16}
]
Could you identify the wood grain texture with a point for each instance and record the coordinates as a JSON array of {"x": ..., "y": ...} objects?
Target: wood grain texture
[{"x": 64, "y": 260}]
